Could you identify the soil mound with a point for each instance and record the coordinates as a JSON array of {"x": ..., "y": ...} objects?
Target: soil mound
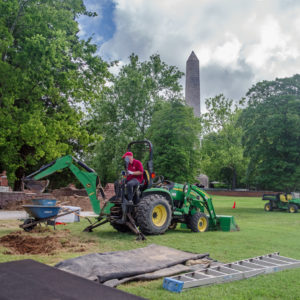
[{"x": 21, "y": 242}]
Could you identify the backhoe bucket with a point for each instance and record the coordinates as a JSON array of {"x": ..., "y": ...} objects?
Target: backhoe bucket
[
  {"x": 224, "y": 223},
  {"x": 37, "y": 186}
]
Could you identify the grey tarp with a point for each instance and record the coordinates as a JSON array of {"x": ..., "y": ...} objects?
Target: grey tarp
[
  {"x": 180, "y": 268},
  {"x": 121, "y": 264}
]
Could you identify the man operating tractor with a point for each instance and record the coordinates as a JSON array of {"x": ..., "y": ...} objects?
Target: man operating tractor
[{"x": 134, "y": 174}]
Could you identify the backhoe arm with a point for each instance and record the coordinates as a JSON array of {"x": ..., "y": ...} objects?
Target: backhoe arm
[{"x": 88, "y": 178}]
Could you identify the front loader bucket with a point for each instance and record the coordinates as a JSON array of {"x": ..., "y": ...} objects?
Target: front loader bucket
[
  {"x": 37, "y": 186},
  {"x": 224, "y": 223}
]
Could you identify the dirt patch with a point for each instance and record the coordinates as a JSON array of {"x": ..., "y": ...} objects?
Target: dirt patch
[{"x": 42, "y": 241}]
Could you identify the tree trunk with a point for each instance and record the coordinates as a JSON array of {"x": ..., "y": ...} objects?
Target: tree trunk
[
  {"x": 18, "y": 184},
  {"x": 233, "y": 186}
]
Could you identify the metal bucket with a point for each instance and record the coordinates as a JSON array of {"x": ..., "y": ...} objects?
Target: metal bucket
[
  {"x": 224, "y": 223},
  {"x": 41, "y": 212}
]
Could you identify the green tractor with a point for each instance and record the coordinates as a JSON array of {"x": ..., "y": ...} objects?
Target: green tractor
[
  {"x": 282, "y": 201},
  {"x": 158, "y": 204}
]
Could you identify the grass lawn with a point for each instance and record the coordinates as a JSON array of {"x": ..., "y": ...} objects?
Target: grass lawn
[{"x": 260, "y": 233}]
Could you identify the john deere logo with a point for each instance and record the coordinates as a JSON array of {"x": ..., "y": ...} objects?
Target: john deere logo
[{"x": 88, "y": 185}]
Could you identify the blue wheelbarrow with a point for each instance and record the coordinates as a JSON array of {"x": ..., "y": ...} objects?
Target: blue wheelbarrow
[{"x": 41, "y": 214}]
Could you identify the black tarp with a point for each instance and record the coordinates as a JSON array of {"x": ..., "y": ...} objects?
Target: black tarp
[
  {"x": 121, "y": 264},
  {"x": 28, "y": 280}
]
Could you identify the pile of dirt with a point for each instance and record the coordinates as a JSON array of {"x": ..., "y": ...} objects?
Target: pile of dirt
[
  {"x": 77, "y": 197},
  {"x": 72, "y": 196},
  {"x": 41, "y": 241},
  {"x": 69, "y": 195},
  {"x": 79, "y": 201},
  {"x": 69, "y": 190}
]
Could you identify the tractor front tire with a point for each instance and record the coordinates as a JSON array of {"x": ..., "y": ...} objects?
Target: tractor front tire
[
  {"x": 268, "y": 206},
  {"x": 198, "y": 222},
  {"x": 292, "y": 208},
  {"x": 153, "y": 214}
]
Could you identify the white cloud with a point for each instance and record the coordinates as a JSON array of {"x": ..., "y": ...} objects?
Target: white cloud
[
  {"x": 227, "y": 54},
  {"x": 244, "y": 41},
  {"x": 272, "y": 44}
]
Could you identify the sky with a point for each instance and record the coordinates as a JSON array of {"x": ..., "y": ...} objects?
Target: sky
[{"x": 238, "y": 42}]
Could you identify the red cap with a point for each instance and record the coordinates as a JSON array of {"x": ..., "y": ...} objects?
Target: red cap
[{"x": 127, "y": 154}]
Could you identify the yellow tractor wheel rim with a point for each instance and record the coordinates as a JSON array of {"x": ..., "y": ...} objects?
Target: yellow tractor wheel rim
[
  {"x": 292, "y": 209},
  {"x": 268, "y": 207},
  {"x": 159, "y": 215},
  {"x": 202, "y": 224}
]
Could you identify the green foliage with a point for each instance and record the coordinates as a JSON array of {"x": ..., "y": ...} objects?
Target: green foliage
[
  {"x": 175, "y": 133},
  {"x": 125, "y": 112},
  {"x": 46, "y": 75},
  {"x": 222, "y": 151},
  {"x": 279, "y": 87},
  {"x": 220, "y": 111},
  {"x": 272, "y": 141}
]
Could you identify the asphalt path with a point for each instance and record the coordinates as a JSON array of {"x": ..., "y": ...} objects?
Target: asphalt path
[{"x": 19, "y": 214}]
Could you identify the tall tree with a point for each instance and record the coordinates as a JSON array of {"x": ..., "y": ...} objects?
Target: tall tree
[
  {"x": 46, "y": 76},
  {"x": 272, "y": 140},
  {"x": 175, "y": 133},
  {"x": 222, "y": 151},
  {"x": 126, "y": 109},
  {"x": 278, "y": 87}
]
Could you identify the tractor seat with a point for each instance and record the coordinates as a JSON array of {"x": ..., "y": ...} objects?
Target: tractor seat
[
  {"x": 146, "y": 180},
  {"x": 283, "y": 198}
]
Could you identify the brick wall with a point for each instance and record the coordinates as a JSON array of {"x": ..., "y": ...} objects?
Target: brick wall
[
  {"x": 3, "y": 179},
  {"x": 14, "y": 200}
]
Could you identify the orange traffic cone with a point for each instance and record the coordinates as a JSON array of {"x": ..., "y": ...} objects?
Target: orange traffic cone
[{"x": 233, "y": 205}]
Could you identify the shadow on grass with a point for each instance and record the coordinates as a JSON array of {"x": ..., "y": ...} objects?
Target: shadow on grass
[{"x": 115, "y": 235}]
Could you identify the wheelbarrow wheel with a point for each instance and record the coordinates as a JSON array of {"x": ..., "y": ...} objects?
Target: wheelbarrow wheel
[{"x": 29, "y": 228}]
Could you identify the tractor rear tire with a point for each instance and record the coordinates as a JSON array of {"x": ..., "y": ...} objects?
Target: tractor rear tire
[
  {"x": 292, "y": 208},
  {"x": 268, "y": 206},
  {"x": 198, "y": 222},
  {"x": 153, "y": 214}
]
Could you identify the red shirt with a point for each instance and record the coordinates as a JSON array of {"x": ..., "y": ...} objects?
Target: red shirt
[{"x": 136, "y": 166}]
